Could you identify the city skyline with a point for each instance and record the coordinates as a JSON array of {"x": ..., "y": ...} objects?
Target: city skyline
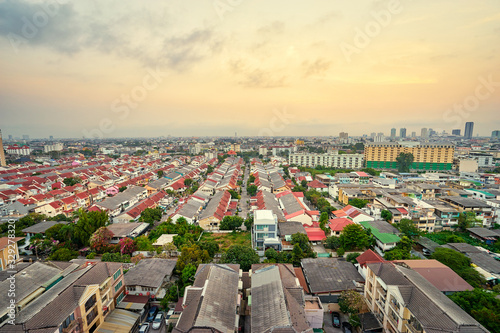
[{"x": 253, "y": 68}]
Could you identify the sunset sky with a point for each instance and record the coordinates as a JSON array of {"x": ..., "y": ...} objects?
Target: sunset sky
[{"x": 215, "y": 67}]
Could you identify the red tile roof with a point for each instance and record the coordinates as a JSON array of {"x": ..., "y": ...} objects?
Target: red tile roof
[
  {"x": 369, "y": 256},
  {"x": 338, "y": 224},
  {"x": 315, "y": 234}
]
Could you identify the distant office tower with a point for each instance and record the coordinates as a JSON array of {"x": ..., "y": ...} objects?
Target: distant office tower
[
  {"x": 423, "y": 133},
  {"x": 402, "y": 132},
  {"x": 373, "y": 135},
  {"x": 455, "y": 132},
  {"x": 10, "y": 136},
  {"x": 413, "y": 134},
  {"x": 469, "y": 129},
  {"x": 393, "y": 133},
  {"x": 431, "y": 132},
  {"x": 51, "y": 138},
  {"x": 2, "y": 154},
  {"x": 379, "y": 138},
  {"x": 26, "y": 137},
  {"x": 495, "y": 134}
]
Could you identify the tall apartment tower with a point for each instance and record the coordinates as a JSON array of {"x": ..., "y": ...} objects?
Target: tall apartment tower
[
  {"x": 2, "y": 153},
  {"x": 423, "y": 132},
  {"x": 393, "y": 133},
  {"x": 402, "y": 132},
  {"x": 469, "y": 129}
]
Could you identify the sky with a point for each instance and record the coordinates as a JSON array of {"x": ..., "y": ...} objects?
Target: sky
[{"x": 215, "y": 67}]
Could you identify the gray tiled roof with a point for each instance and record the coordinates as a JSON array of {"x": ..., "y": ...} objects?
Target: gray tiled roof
[
  {"x": 41, "y": 227},
  {"x": 268, "y": 300},
  {"x": 290, "y": 228},
  {"x": 329, "y": 274},
  {"x": 150, "y": 272},
  {"x": 211, "y": 303}
]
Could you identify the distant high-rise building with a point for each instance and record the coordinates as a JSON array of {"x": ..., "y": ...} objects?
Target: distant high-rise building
[
  {"x": 379, "y": 138},
  {"x": 413, "y": 134},
  {"x": 344, "y": 135},
  {"x": 2, "y": 153},
  {"x": 402, "y": 132},
  {"x": 469, "y": 129},
  {"x": 373, "y": 135},
  {"x": 423, "y": 133},
  {"x": 26, "y": 137},
  {"x": 393, "y": 133},
  {"x": 10, "y": 136},
  {"x": 432, "y": 132},
  {"x": 495, "y": 134},
  {"x": 455, "y": 132},
  {"x": 51, "y": 138}
]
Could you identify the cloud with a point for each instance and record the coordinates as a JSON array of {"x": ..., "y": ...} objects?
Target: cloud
[
  {"x": 252, "y": 77},
  {"x": 274, "y": 28},
  {"x": 182, "y": 51},
  {"x": 142, "y": 35},
  {"x": 316, "y": 68}
]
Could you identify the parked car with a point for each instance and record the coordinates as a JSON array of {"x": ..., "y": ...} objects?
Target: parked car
[
  {"x": 336, "y": 319},
  {"x": 346, "y": 327},
  {"x": 144, "y": 328},
  {"x": 169, "y": 313},
  {"x": 157, "y": 322},
  {"x": 152, "y": 313}
]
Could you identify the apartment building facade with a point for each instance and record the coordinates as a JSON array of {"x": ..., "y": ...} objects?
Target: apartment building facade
[
  {"x": 427, "y": 156},
  {"x": 332, "y": 160}
]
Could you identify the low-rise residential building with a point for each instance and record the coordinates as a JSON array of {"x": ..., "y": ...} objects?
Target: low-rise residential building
[
  {"x": 212, "y": 303},
  {"x": 148, "y": 276},
  {"x": 278, "y": 302},
  {"x": 385, "y": 234},
  {"x": 265, "y": 231},
  {"x": 404, "y": 301}
]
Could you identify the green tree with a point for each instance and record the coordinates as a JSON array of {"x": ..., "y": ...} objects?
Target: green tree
[
  {"x": 386, "y": 215},
  {"x": 243, "y": 255},
  {"x": 151, "y": 215},
  {"x": 408, "y": 228},
  {"x": 212, "y": 247},
  {"x": 350, "y": 301},
  {"x": 271, "y": 254},
  {"x": 481, "y": 305},
  {"x": 351, "y": 257},
  {"x": 354, "y": 237},
  {"x": 122, "y": 188},
  {"x": 332, "y": 242},
  {"x": 231, "y": 223},
  {"x": 248, "y": 223},
  {"x": 297, "y": 254},
  {"x": 402, "y": 251},
  {"x": 252, "y": 190},
  {"x": 234, "y": 194},
  {"x": 87, "y": 224},
  {"x": 71, "y": 181},
  {"x": 466, "y": 220},
  {"x": 160, "y": 173},
  {"x": 192, "y": 254},
  {"x": 63, "y": 254},
  {"x": 53, "y": 232},
  {"x": 188, "y": 182},
  {"x": 143, "y": 243},
  {"x": 405, "y": 161},
  {"x": 303, "y": 183},
  {"x": 359, "y": 203},
  {"x": 303, "y": 241}
]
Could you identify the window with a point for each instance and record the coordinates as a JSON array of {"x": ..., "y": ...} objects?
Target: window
[
  {"x": 118, "y": 286},
  {"x": 259, "y": 227},
  {"x": 119, "y": 298},
  {"x": 117, "y": 274},
  {"x": 132, "y": 288}
]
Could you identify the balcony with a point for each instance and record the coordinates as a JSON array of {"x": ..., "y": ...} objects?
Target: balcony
[
  {"x": 91, "y": 316},
  {"x": 70, "y": 327},
  {"x": 412, "y": 329},
  {"x": 90, "y": 303}
]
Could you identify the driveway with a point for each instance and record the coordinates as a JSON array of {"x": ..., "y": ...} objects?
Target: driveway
[{"x": 327, "y": 321}]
